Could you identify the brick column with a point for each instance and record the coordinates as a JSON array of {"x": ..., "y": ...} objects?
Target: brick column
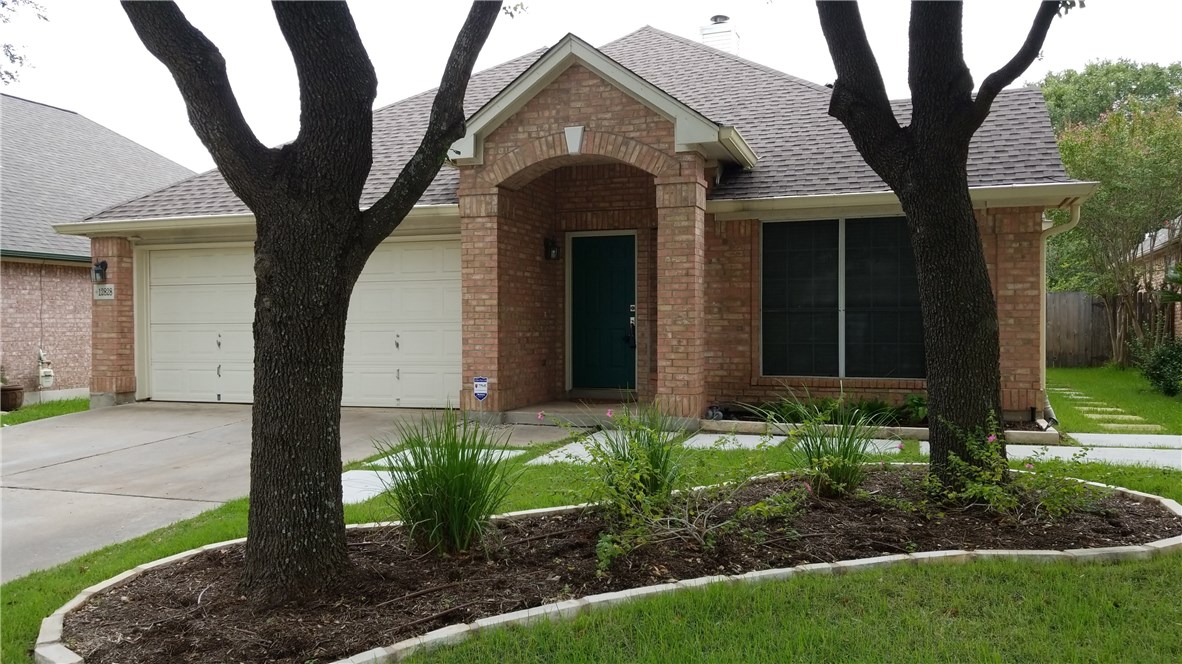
[
  {"x": 112, "y": 339},
  {"x": 681, "y": 273},
  {"x": 479, "y": 288}
]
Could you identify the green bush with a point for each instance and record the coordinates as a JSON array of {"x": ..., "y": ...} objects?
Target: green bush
[
  {"x": 915, "y": 408},
  {"x": 455, "y": 479},
  {"x": 1162, "y": 367},
  {"x": 984, "y": 479},
  {"x": 638, "y": 463},
  {"x": 833, "y": 448}
]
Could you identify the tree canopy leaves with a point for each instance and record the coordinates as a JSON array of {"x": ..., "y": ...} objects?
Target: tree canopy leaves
[{"x": 1085, "y": 96}]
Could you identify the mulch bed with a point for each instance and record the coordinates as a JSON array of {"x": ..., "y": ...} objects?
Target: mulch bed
[{"x": 192, "y": 611}]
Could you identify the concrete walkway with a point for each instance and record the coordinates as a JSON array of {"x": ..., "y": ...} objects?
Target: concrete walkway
[
  {"x": 75, "y": 483},
  {"x": 1128, "y": 440}
]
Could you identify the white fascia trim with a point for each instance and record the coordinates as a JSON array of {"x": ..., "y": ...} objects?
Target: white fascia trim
[
  {"x": 1055, "y": 194},
  {"x": 692, "y": 130},
  {"x": 124, "y": 227}
]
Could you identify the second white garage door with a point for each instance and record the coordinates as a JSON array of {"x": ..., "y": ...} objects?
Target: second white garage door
[{"x": 402, "y": 342}]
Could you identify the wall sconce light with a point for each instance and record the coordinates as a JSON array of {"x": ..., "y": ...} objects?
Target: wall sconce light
[
  {"x": 99, "y": 274},
  {"x": 551, "y": 250}
]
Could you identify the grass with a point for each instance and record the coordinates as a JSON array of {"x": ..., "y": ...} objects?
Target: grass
[
  {"x": 1126, "y": 389},
  {"x": 999, "y": 611},
  {"x": 43, "y": 410},
  {"x": 982, "y": 612}
]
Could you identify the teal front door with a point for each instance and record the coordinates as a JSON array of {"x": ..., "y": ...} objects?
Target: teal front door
[{"x": 603, "y": 298}]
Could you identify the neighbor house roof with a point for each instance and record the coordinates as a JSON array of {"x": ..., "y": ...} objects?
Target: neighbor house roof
[
  {"x": 802, "y": 151},
  {"x": 57, "y": 166}
]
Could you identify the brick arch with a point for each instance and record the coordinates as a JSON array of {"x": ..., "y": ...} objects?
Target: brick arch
[{"x": 544, "y": 154}]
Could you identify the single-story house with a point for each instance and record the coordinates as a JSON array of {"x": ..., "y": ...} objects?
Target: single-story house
[
  {"x": 55, "y": 166},
  {"x": 1160, "y": 253},
  {"x": 654, "y": 216}
]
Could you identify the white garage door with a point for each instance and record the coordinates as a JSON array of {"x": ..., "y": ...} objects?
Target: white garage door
[{"x": 402, "y": 341}]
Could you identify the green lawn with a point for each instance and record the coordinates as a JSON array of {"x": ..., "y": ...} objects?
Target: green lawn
[
  {"x": 44, "y": 410},
  {"x": 1126, "y": 389},
  {"x": 999, "y": 611}
]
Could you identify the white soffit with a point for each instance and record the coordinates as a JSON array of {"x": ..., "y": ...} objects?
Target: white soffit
[{"x": 692, "y": 131}]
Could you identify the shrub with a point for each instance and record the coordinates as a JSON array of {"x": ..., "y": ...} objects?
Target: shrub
[
  {"x": 638, "y": 463},
  {"x": 455, "y": 479},
  {"x": 833, "y": 455},
  {"x": 1162, "y": 367},
  {"x": 985, "y": 479},
  {"x": 915, "y": 408}
]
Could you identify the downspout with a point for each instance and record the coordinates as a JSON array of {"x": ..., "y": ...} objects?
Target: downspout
[{"x": 1048, "y": 412}]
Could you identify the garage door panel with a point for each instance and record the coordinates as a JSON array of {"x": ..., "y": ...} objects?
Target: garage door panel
[
  {"x": 429, "y": 386},
  {"x": 237, "y": 343},
  {"x": 202, "y": 303},
  {"x": 184, "y": 382},
  {"x": 429, "y": 345},
  {"x": 409, "y": 293},
  {"x": 370, "y": 343},
  {"x": 187, "y": 267},
  {"x": 369, "y": 386},
  {"x": 182, "y": 343},
  {"x": 237, "y": 382}
]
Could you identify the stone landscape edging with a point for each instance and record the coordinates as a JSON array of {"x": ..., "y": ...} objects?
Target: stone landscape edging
[{"x": 50, "y": 649}]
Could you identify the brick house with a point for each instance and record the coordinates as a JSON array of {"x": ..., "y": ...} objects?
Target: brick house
[
  {"x": 57, "y": 166},
  {"x": 655, "y": 218}
]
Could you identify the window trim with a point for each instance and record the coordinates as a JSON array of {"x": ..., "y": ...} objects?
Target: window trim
[{"x": 841, "y": 304}]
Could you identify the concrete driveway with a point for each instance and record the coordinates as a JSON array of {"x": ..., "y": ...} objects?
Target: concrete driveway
[{"x": 78, "y": 482}]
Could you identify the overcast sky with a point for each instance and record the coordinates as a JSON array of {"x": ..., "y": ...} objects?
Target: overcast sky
[{"x": 86, "y": 58}]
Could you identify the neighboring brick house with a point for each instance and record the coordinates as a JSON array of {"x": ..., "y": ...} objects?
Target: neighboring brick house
[
  {"x": 655, "y": 216},
  {"x": 56, "y": 166},
  {"x": 1161, "y": 251}
]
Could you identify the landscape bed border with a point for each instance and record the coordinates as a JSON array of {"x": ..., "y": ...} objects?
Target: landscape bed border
[{"x": 51, "y": 650}]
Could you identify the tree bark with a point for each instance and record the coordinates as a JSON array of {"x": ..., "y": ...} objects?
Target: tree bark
[
  {"x": 313, "y": 241},
  {"x": 958, "y": 309},
  {"x": 925, "y": 164}
]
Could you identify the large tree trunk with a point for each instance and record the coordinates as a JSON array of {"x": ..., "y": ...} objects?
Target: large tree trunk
[
  {"x": 959, "y": 310},
  {"x": 296, "y": 528}
]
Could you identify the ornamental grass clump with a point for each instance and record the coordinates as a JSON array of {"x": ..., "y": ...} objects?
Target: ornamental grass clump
[
  {"x": 455, "y": 477},
  {"x": 833, "y": 447}
]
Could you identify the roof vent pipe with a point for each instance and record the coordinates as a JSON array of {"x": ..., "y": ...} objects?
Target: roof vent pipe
[{"x": 721, "y": 34}]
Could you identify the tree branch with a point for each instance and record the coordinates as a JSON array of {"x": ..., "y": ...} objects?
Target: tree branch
[
  {"x": 336, "y": 93},
  {"x": 1022, "y": 60},
  {"x": 445, "y": 127},
  {"x": 200, "y": 74},
  {"x": 859, "y": 98}
]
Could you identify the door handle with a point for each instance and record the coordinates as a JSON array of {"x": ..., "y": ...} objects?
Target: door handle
[
  {"x": 630, "y": 337},
  {"x": 219, "y": 371}
]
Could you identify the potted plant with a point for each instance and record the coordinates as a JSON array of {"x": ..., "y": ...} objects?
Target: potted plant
[{"x": 12, "y": 397}]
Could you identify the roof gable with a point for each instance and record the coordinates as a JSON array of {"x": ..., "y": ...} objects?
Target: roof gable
[{"x": 692, "y": 131}]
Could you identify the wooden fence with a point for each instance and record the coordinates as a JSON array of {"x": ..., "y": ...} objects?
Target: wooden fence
[{"x": 1077, "y": 331}]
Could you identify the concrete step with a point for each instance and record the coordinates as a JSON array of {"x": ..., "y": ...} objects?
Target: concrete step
[
  {"x": 1112, "y": 417},
  {"x": 1098, "y": 409}
]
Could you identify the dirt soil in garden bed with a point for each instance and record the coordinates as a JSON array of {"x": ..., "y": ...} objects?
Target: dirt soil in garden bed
[{"x": 192, "y": 611}]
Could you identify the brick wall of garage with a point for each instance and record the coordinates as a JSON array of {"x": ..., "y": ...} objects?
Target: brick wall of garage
[
  {"x": 1010, "y": 239},
  {"x": 46, "y": 306}
]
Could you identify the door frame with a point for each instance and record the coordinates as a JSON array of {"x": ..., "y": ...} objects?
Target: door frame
[{"x": 570, "y": 259}]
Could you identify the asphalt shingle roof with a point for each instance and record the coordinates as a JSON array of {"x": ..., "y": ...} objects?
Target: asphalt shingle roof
[
  {"x": 784, "y": 119},
  {"x": 57, "y": 166}
]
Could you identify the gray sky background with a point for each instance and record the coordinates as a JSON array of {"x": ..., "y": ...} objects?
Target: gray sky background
[{"x": 86, "y": 58}]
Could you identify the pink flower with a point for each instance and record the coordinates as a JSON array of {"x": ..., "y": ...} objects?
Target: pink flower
[
  {"x": 900, "y": 446},
  {"x": 609, "y": 412},
  {"x": 808, "y": 487},
  {"x": 541, "y": 414},
  {"x": 1029, "y": 466},
  {"x": 992, "y": 438}
]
